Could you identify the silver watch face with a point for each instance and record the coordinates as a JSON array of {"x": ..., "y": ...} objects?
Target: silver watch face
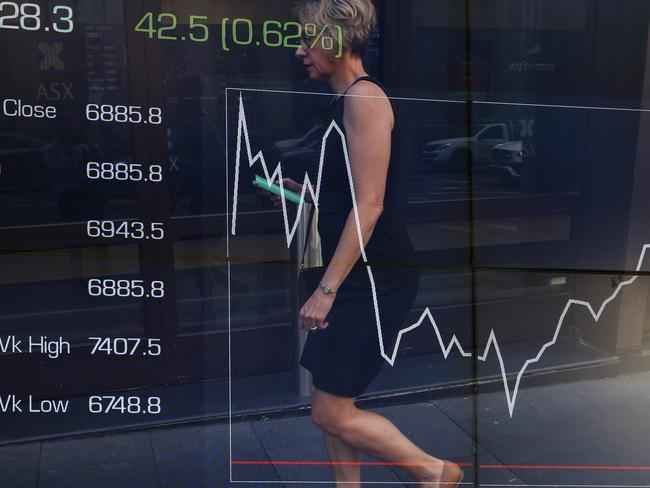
[{"x": 327, "y": 290}]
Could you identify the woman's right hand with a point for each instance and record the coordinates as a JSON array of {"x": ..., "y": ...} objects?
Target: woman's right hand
[{"x": 289, "y": 184}]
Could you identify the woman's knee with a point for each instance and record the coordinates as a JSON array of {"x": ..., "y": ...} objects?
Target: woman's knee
[
  {"x": 331, "y": 416},
  {"x": 327, "y": 421},
  {"x": 323, "y": 418}
]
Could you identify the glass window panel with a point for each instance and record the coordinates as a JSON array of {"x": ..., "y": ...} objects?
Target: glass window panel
[{"x": 43, "y": 164}]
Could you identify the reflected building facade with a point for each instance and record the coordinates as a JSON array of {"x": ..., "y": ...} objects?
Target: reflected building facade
[{"x": 524, "y": 123}]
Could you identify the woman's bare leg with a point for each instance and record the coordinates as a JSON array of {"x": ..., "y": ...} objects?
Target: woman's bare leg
[
  {"x": 377, "y": 436},
  {"x": 340, "y": 451}
]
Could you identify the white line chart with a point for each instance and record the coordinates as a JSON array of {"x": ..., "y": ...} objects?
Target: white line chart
[{"x": 334, "y": 130}]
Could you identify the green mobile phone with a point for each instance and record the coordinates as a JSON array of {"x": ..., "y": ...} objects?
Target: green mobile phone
[{"x": 260, "y": 182}]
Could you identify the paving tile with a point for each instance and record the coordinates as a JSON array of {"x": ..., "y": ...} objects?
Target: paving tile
[
  {"x": 125, "y": 474},
  {"x": 492, "y": 472},
  {"x": 555, "y": 474},
  {"x": 487, "y": 405},
  {"x": 19, "y": 465},
  {"x": 574, "y": 419},
  {"x": 430, "y": 429},
  {"x": 530, "y": 439},
  {"x": 103, "y": 449},
  {"x": 192, "y": 456},
  {"x": 607, "y": 413},
  {"x": 488, "y": 475},
  {"x": 636, "y": 381},
  {"x": 594, "y": 423},
  {"x": 246, "y": 446},
  {"x": 553, "y": 399},
  {"x": 617, "y": 431},
  {"x": 298, "y": 439},
  {"x": 199, "y": 456},
  {"x": 590, "y": 399},
  {"x": 637, "y": 454},
  {"x": 466, "y": 463}
]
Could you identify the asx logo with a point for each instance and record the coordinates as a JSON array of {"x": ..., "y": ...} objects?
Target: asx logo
[
  {"x": 51, "y": 59},
  {"x": 55, "y": 92},
  {"x": 527, "y": 127}
]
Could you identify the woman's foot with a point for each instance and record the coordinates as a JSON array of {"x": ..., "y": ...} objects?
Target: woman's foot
[
  {"x": 442, "y": 474},
  {"x": 452, "y": 475}
]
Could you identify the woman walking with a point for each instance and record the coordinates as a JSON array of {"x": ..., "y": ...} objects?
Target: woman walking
[{"x": 342, "y": 349}]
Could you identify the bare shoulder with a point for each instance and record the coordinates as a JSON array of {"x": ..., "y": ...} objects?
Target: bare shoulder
[
  {"x": 367, "y": 101},
  {"x": 366, "y": 88}
]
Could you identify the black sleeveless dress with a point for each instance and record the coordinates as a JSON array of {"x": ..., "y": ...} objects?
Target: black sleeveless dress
[{"x": 346, "y": 356}]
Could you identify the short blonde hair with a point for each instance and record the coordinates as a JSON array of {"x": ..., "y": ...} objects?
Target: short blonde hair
[{"x": 357, "y": 19}]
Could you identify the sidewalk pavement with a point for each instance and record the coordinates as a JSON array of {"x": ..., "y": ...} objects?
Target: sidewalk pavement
[{"x": 586, "y": 433}]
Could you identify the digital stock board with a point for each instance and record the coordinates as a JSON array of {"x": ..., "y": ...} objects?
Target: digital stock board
[{"x": 335, "y": 242}]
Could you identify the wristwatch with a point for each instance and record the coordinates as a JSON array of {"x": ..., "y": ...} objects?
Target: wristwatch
[{"x": 327, "y": 290}]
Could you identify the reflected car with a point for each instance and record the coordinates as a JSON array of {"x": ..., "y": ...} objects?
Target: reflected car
[
  {"x": 453, "y": 154},
  {"x": 22, "y": 162},
  {"x": 287, "y": 144},
  {"x": 301, "y": 154},
  {"x": 507, "y": 161}
]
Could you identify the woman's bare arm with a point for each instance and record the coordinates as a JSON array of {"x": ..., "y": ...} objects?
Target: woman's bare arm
[{"x": 368, "y": 125}]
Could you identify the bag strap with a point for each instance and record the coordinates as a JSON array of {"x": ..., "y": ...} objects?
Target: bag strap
[{"x": 307, "y": 237}]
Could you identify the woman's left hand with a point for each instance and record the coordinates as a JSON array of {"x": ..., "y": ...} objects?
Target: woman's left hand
[{"x": 315, "y": 310}]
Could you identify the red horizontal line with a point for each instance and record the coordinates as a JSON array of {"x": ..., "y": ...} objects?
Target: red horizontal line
[
  {"x": 468, "y": 465},
  {"x": 568, "y": 467},
  {"x": 334, "y": 463}
]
